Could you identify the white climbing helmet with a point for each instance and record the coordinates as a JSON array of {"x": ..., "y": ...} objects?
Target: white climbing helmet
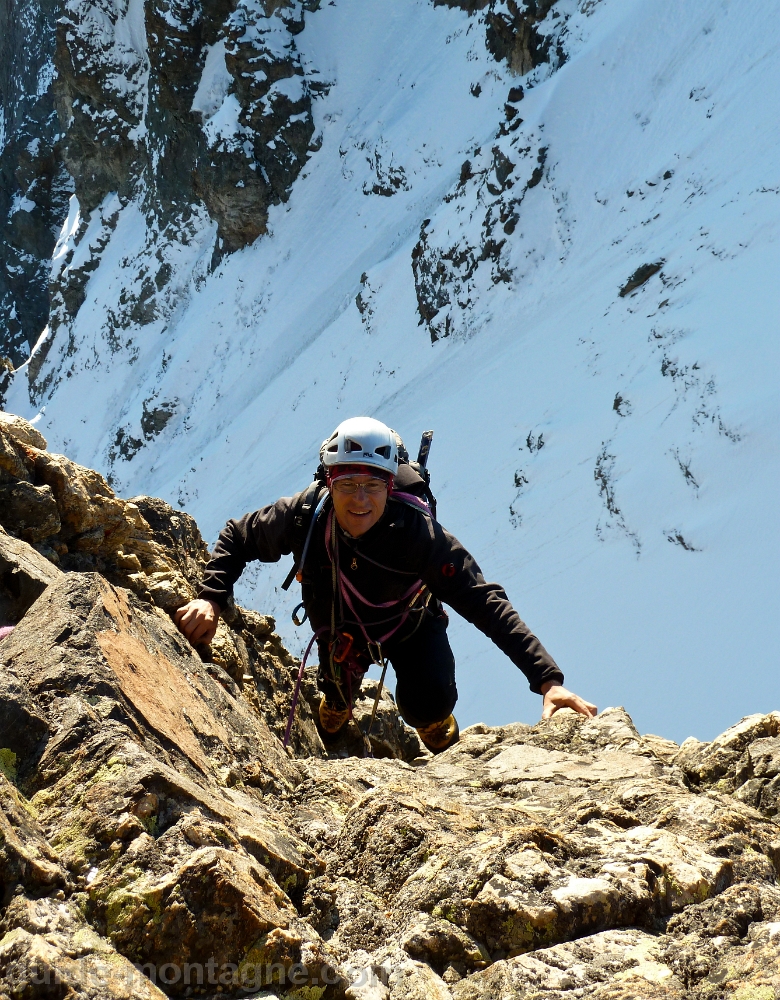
[{"x": 361, "y": 441}]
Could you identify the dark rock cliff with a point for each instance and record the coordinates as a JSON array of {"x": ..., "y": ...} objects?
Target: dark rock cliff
[
  {"x": 34, "y": 185},
  {"x": 513, "y": 32},
  {"x": 191, "y": 109}
]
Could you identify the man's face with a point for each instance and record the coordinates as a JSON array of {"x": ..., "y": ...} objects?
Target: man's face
[{"x": 359, "y": 502}]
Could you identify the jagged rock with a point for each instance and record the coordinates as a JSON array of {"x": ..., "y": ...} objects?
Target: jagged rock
[
  {"x": 22, "y": 432},
  {"x": 177, "y": 534},
  {"x": 23, "y": 731},
  {"x": 24, "y": 575},
  {"x": 27, "y": 862},
  {"x": 718, "y": 763},
  {"x": 15, "y": 463},
  {"x": 512, "y": 30},
  {"x": 729, "y": 914},
  {"x": 149, "y": 814},
  {"x": 463, "y": 254},
  {"x": 85, "y": 637},
  {"x": 244, "y": 129},
  {"x": 444, "y": 944},
  {"x": 99, "y": 104},
  {"x": 50, "y": 950},
  {"x": 32, "y": 510},
  {"x": 34, "y": 185},
  {"x": 83, "y": 525},
  {"x": 521, "y": 837},
  {"x": 757, "y": 776},
  {"x": 90, "y": 512},
  {"x": 154, "y": 767},
  {"x": 619, "y": 965}
]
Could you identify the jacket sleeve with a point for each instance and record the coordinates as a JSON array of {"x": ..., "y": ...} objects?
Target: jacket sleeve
[
  {"x": 453, "y": 576},
  {"x": 266, "y": 535}
]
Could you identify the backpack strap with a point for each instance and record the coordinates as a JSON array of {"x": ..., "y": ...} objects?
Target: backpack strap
[
  {"x": 313, "y": 501},
  {"x": 410, "y": 500}
]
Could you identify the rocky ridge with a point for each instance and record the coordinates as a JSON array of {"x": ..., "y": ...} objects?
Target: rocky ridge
[{"x": 156, "y": 838}]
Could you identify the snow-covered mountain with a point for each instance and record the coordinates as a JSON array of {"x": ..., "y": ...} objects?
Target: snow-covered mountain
[{"x": 548, "y": 231}]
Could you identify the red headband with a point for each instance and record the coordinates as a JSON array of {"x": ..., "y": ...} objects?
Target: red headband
[{"x": 334, "y": 472}]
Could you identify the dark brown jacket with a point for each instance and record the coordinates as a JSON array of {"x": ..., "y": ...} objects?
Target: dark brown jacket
[{"x": 404, "y": 540}]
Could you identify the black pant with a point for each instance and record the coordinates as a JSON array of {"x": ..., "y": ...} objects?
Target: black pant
[{"x": 425, "y": 674}]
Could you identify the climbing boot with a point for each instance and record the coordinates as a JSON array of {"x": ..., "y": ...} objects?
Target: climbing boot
[
  {"x": 440, "y": 735},
  {"x": 332, "y": 719}
]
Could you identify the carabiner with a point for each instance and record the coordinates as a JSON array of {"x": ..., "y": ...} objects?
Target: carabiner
[
  {"x": 342, "y": 646},
  {"x": 375, "y": 652},
  {"x": 296, "y": 620}
]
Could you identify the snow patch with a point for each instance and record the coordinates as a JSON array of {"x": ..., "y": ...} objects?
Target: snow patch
[
  {"x": 215, "y": 82},
  {"x": 224, "y": 124},
  {"x": 291, "y": 87},
  {"x": 21, "y": 203},
  {"x": 66, "y": 241}
]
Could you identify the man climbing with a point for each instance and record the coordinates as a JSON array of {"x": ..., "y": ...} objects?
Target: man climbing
[{"x": 375, "y": 569}]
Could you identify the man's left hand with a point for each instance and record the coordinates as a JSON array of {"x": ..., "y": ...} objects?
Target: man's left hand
[{"x": 556, "y": 697}]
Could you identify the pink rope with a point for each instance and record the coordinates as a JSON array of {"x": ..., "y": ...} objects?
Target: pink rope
[
  {"x": 297, "y": 692},
  {"x": 386, "y": 604},
  {"x": 346, "y": 586},
  {"x": 404, "y": 615}
]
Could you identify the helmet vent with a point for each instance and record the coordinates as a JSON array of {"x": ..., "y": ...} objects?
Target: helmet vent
[
  {"x": 351, "y": 446},
  {"x": 384, "y": 451}
]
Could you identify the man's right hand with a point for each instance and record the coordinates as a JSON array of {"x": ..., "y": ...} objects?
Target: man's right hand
[
  {"x": 198, "y": 620},
  {"x": 557, "y": 697}
]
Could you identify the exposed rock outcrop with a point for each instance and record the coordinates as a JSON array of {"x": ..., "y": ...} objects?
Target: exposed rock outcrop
[
  {"x": 463, "y": 254},
  {"x": 218, "y": 90},
  {"x": 156, "y": 839},
  {"x": 514, "y": 31},
  {"x": 34, "y": 185}
]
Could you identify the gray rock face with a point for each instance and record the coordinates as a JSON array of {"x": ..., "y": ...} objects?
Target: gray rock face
[
  {"x": 513, "y": 33},
  {"x": 135, "y": 107},
  {"x": 151, "y": 819},
  {"x": 465, "y": 250},
  {"x": 196, "y": 110},
  {"x": 457, "y": 257},
  {"x": 34, "y": 185},
  {"x": 745, "y": 761},
  {"x": 24, "y": 575}
]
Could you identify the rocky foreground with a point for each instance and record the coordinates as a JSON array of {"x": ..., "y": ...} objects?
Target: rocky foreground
[{"x": 157, "y": 840}]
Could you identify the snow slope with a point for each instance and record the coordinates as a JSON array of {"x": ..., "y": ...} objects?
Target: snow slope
[{"x": 612, "y": 460}]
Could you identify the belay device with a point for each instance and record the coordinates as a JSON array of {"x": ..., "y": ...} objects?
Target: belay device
[{"x": 315, "y": 498}]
